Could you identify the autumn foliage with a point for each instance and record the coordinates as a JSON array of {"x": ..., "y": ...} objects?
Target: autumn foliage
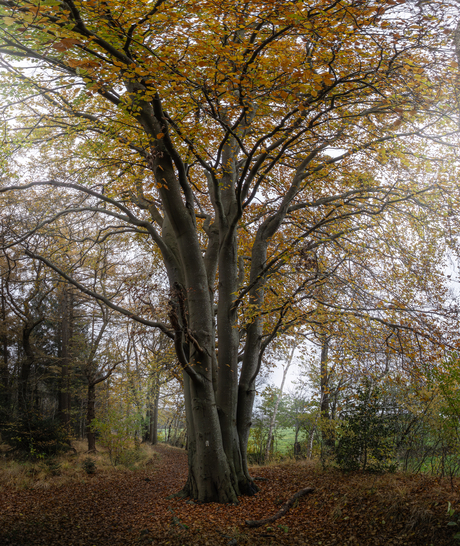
[
  {"x": 285, "y": 166},
  {"x": 126, "y": 508}
]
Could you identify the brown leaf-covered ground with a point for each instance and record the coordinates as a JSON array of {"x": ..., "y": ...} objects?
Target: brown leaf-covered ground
[{"x": 132, "y": 508}]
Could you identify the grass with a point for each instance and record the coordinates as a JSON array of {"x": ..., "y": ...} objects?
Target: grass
[
  {"x": 434, "y": 465},
  {"x": 67, "y": 468},
  {"x": 284, "y": 439}
]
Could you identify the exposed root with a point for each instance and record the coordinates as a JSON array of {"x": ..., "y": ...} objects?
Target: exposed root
[
  {"x": 182, "y": 494},
  {"x": 248, "y": 488},
  {"x": 284, "y": 509}
]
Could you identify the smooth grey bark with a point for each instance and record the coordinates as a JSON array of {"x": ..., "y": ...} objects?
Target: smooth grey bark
[
  {"x": 217, "y": 471},
  {"x": 311, "y": 437}
]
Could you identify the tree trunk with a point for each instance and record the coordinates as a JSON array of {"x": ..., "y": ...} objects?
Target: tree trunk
[
  {"x": 210, "y": 477},
  {"x": 90, "y": 415},
  {"x": 4, "y": 372},
  {"x": 297, "y": 430},
  {"x": 24, "y": 401},
  {"x": 324, "y": 379},
  {"x": 146, "y": 431},
  {"x": 311, "y": 437},
  {"x": 326, "y": 430},
  {"x": 153, "y": 428},
  {"x": 66, "y": 335},
  {"x": 216, "y": 469},
  {"x": 252, "y": 357},
  {"x": 275, "y": 409}
]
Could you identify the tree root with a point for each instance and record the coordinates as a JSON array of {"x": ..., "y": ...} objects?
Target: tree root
[
  {"x": 284, "y": 509},
  {"x": 182, "y": 494}
]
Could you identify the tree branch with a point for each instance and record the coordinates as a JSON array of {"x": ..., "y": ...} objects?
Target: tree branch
[{"x": 100, "y": 297}]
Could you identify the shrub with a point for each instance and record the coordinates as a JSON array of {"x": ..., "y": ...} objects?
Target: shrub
[
  {"x": 116, "y": 433},
  {"x": 89, "y": 466},
  {"x": 366, "y": 436},
  {"x": 128, "y": 457},
  {"x": 52, "y": 466}
]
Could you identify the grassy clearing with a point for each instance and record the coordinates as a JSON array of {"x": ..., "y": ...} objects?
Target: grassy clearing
[
  {"x": 69, "y": 467},
  {"x": 284, "y": 441}
]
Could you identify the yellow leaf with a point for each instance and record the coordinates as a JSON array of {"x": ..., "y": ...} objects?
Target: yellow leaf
[
  {"x": 141, "y": 71},
  {"x": 160, "y": 135}
]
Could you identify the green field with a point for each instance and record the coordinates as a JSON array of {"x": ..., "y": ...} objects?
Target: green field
[{"x": 284, "y": 439}]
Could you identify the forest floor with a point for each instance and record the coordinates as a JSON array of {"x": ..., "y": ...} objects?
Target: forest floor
[{"x": 122, "y": 507}]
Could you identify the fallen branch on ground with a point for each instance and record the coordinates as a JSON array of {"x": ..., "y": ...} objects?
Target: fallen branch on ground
[{"x": 284, "y": 509}]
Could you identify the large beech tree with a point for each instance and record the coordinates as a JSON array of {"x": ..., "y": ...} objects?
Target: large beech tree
[{"x": 239, "y": 137}]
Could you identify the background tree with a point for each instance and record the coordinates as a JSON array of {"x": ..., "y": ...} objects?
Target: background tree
[{"x": 286, "y": 366}]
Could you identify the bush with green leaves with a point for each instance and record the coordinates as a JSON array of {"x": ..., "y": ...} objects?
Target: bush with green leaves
[
  {"x": 116, "y": 433},
  {"x": 36, "y": 436},
  {"x": 366, "y": 434},
  {"x": 454, "y": 520},
  {"x": 89, "y": 466}
]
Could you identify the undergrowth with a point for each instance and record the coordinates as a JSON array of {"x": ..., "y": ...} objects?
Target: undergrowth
[{"x": 70, "y": 467}]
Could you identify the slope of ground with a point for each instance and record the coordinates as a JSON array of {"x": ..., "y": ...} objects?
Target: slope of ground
[{"x": 132, "y": 508}]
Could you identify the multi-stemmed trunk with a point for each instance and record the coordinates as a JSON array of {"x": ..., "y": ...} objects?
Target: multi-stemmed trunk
[
  {"x": 217, "y": 462},
  {"x": 218, "y": 405}
]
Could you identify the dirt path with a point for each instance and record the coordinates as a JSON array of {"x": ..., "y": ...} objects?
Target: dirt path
[
  {"x": 131, "y": 508},
  {"x": 118, "y": 508}
]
